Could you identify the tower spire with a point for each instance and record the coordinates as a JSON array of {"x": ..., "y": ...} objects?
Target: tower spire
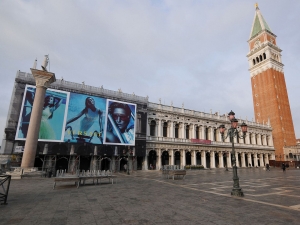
[{"x": 259, "y": 24}]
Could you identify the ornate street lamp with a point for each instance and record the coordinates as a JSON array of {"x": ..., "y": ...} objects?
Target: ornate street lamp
[{"x": 232, "y": 133}]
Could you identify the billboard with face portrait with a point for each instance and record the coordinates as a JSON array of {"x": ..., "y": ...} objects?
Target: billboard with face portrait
[
  {"x": 85, "y": 119},
  {"x": 120, "y": 123},
  {"x": 53, "y": 114},
  {"x": 79, "y": 118}
]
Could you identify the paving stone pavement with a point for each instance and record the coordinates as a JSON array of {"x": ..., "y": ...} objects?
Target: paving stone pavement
[{"x": 146, "y": 197}]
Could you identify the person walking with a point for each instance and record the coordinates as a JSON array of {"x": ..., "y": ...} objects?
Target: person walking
[
  {"x": 283, "y": 167},
  {"x": 267, "y": 167}
]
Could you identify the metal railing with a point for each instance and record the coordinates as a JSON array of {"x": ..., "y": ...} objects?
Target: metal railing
[{"x": 4, "y": 184}]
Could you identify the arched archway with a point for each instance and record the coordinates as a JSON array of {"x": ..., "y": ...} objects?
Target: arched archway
[
  {"x": 207, "y": 158},
  {"x": 85, "y": 163},
  {"x": 106, "y": 163},
  {"x": 165, "y": 158},
  {"x": 177, "y": 158},
  {"x": 62, "y": 163},
  {"x": 198, "y": 158},
  {"x": 152, "y": 159},
  {"x": 188, "y": 158},
  {"x": 217, "y": 163},
  {"x": 123, "y": 161},
  {"x": 239, "y": 159}
]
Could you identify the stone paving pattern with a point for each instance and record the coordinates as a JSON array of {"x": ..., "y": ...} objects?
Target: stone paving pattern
[{"x": 145, "y": 197}]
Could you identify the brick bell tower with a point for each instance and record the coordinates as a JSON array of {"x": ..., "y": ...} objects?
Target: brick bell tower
[{"x": 270, "y": 97}]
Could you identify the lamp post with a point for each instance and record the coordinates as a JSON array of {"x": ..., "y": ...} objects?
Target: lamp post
[{"x": 232, "y": 133}]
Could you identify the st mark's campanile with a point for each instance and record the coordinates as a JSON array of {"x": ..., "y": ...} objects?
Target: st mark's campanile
[{"x": 270, "y": 97}]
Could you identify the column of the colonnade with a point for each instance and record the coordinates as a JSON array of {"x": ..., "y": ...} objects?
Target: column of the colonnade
[
  {"x": 203, "y": 159},
  {"x": 266, "y": 157},
  {"x": 193, "y": 131},
  {"x": 170, "y": 126},
  {"x": 212, "y": 160},
  {"x": 221, "y": 161},
  {"x": 42, "y": 79},
  {"x": 183, "y": 163},
  {"x": 243, "y": 158},
  {"x": 194, "y": 161},
  {"x": 183, "y": 126},
  {"x": 259, "y": 139},
  {"x": 237, "y": 159},
  {"x": 262, "y": 164},
  {"x": 255, "y": 160},
  {"x": 172, "y": 157},
  {"x": 211, "y": 134},
  {"x": 146, "y": 161},
  {"x": 228, "y": 160},
  {"x": 247, "y": 139},
  {"x": 249, "y": 159},
  {"x": 202, "y": 133},
  {"x": 158, "y": 163},
  {"x": 159, "y": 128},
  {"x": 148, "y": 127}
]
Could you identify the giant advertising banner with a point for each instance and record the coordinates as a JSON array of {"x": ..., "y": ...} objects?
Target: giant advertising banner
[
  {"x": 53, "y": 115},
  {"x": 85, "y": 120},
  {"x": 120, "y": 123},
  {"x": 79, "y": 118}
]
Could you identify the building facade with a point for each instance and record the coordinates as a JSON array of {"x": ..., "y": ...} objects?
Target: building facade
[
  {"x": 270, "y": 97},
  {"x": 165, "y": 135}
]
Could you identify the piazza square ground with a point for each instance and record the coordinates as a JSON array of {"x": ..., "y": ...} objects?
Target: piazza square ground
[{"x": 146, "y": 197}]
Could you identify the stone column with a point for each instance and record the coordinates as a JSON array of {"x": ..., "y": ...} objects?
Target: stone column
[
  {"x": 237, "y": 159},
  {"x": 159, "y": 160},
  {"x": 229, "y": 160},
  {"x": 261, "y": 158},
  {"x": 202, "y": 132},
  {"x": 227, "y": 138},
  {"x": 172, "y": 157},
  {"x": 183, "y": 131},
  {"x": 42, "y": 79},
  {"x": 171, "y": 129},
  {"x": 146, "y": 161},
  {"x": 249, "y": 159},
  {"x": 266, "y": 156},
  {"x": 259, "y": 139},
  {"x": 212, "y": 134},
  {"x": 221, "y": 164},
  {"x": 212, "y": 160},
  {"x": 194, "y": 158},
  {"x": 203, "y": 159},
  {"x": 243, "y": 159},
  {"x": 255, "y": 160},
  {"x": 183, "y": 159},
  {"x": 148, "y": 127},
  {"x": 247, "y": 138},
  {"x": 159, "y": 133},
  {"x": 193, "y": 136}
]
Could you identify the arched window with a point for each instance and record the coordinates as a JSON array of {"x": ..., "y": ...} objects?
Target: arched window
[
  {"x": 253, "y": 62},
  {"x": 165, "y": 129},
  {"x": 260, "y": 57},
  {"x": 152, "y": 128},
  {"x": 264, "y": 55},
  {"x": 176, "y": 130},
  {"x": 197, "y": 132},
  {"x": 257, "y": 59},
  {"x": 187, "y": 132},
  {"x": 206, "y": 133}
]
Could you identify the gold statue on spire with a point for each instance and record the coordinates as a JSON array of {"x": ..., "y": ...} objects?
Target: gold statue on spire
[{"x": 256, "y": 5}]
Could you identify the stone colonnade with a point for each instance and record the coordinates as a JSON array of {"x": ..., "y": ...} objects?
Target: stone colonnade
[{"x": 206, "y": 158}]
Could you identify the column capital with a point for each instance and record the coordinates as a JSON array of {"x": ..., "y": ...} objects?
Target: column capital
[{"x": 43, "y": 78}]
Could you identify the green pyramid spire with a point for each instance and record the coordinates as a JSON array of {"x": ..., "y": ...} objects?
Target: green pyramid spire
[{"x": 259, "y": 23}]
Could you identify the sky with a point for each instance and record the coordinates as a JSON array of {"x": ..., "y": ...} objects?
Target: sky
[{"x": 185, "y": 52}]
